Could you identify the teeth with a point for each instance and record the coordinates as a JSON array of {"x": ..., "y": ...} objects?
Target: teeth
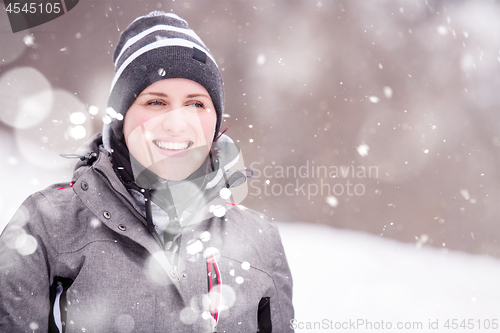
[{"x": 172, "y": 145}]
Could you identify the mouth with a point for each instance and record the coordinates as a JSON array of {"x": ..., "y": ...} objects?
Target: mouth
[{"x": 173, "y": 145}]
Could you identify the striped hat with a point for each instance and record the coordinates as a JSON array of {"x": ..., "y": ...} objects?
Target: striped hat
[{"x": 154, "y": 47}]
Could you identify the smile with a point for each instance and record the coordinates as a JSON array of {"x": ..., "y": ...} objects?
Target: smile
[{"x": 173, "y": 145}]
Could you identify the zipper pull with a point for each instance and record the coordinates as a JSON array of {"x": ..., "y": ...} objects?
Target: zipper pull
[
  {"x": 214, "y": 325},
  {"x": 80, "y": 157},
  {"x": 89, "y": 159},
  {"x": 174, "y": 274}
]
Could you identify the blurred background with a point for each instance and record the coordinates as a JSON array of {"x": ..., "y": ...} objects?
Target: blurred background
[
  {"x": 380, "y": 116},
  {"x": 370, "y": 128}
]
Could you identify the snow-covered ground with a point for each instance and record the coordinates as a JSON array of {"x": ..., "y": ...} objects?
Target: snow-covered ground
[{"x": 343, "y": 278}]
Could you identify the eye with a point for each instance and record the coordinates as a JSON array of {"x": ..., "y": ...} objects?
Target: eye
[
  {"x": 155, "y": 102},
  {"x": 197, "y": 104}
]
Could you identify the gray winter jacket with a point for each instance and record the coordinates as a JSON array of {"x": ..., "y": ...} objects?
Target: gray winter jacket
[{"x": 79, "y": 258}]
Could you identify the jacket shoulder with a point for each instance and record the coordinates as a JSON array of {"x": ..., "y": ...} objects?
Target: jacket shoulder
[
  {"x": 249, "y": 218},
  {"x": 52, "y": 216},
  {"x": 60, "y": 198},
  {"x": 43, "y": 204}
]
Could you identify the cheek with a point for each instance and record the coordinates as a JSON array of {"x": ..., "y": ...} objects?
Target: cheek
[
  {"x": 132, "y": 121},
  {"x": 208, "y": 122}
]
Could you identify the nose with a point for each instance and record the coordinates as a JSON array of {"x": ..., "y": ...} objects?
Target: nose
[{"x": 175, "y": 121}]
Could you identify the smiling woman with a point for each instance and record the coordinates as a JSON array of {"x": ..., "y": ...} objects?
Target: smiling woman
[{"x": 148, "y": 236}]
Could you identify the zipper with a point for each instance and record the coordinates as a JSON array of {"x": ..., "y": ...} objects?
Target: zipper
[{"x": 214, "y": 290}]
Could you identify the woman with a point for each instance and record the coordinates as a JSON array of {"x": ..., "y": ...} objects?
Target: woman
[{"x": 144, "y": 238}]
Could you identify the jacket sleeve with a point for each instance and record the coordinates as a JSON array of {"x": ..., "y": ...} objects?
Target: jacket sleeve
[
  {"x": 24, "y": 271},
  {"x": 282, "y": 311}
]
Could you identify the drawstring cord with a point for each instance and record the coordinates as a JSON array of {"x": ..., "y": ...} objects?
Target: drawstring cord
[
  {"x": 223, "y": 171},
  {"x": 89, "y": 159},
  {"x": 149, "y": 214},
  {"x": 214, "y": 280}
]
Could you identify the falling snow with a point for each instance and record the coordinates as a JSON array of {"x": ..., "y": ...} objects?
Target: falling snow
[
  {"x": 465, "y": 194},
  {"x": 218, "y": 210},
  {"x": 363, "y": 149},
  {"x": 225, "y": 193},
  {"x": 205, "y": 236},
  {"x": 77, "y": 118},
  {"x": 261, "y": 59},
  {"x": 29, "y": 40},
  {"x": 194, "y": 247},
  {"x": 403, "y": 278},
  {"x": 387, "y": 92},
  {"x": 332, "y": 201}
]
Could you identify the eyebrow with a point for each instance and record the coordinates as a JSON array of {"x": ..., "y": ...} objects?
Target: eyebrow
[
  {"x": 154, "y": 93},
  {"x": 197, "y": 95},
  {"x": 165, "y": 95}
]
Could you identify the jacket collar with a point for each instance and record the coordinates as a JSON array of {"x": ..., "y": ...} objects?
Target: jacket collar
[{"x": 204, "y": 199}]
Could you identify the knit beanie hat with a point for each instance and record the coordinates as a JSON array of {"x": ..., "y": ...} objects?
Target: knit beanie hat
[{"x": 154, "y": 47}]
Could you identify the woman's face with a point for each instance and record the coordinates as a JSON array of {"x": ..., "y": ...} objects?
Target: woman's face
[{"x": 170, "y": 127}]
